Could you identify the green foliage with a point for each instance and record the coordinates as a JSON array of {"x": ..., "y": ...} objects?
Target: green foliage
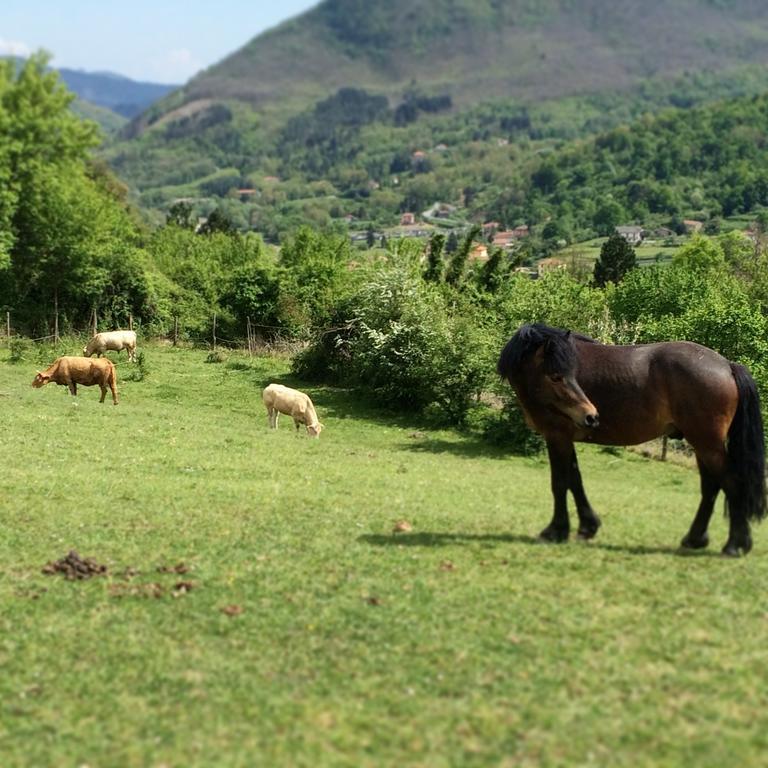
[
  {"x": 396, "y": 340},
  {"x": 457, "y": 265},
  {"x": 315, "y": 276},
  {"x": 617, "y": 258},
  {"x": 19, "y": 349},
  {"x": 555, "y": 299},
  {"x": 711, "y": 307},
  {"x": 138, "y": 370}
]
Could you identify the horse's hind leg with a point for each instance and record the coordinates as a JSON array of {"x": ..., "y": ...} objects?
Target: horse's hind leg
[
  {"x": 697, "y": 537},
  {"x": 560, "y": 471},
  {"x": 589, "y": 522},
  {"x": 739, "y": 536}
]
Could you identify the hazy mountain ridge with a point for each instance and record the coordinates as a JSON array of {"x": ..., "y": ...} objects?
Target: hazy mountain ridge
[{"x": 115, "y": 92}]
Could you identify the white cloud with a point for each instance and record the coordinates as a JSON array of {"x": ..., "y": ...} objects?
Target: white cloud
[{"x": 14, "y": 48}]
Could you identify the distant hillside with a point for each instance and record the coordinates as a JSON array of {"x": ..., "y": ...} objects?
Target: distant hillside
[
  {"x": 360, "y": 109},
  {"x": 483, "y": 49},
  {"x": 119, "y": 94}
]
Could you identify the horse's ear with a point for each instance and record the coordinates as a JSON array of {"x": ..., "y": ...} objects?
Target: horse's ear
[{"x": 567, "y": 334}]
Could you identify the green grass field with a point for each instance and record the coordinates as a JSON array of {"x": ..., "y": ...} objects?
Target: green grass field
[{"x": 301, "y": 631}]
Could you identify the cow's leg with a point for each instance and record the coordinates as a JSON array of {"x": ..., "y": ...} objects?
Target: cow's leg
[
  {"x": 73, "y": 388},
  {"x": 298, "y": 426},
  {"x": 103, "y": 388},
  {"x": 272, "y": 414}
]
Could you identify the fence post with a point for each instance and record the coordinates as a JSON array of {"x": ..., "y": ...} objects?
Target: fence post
[
  {"x": 175, "y": 330},
  {"x": 250, "y": 345},
  {"x": 214, "y": 331},
  {"x": 55, "y": 318},
  {"x": 130, "y": 322},
  {"x": 664, "y": 448},
  {"x": 8, "y": 325},
  {"x": 95, "y": 319}
]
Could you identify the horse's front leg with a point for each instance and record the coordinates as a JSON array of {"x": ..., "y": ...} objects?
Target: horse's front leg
[
  {"x": 589, "y": 522},
  {"x": 560, "y": 465}
]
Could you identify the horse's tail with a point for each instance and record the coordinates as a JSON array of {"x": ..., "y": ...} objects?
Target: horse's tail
[{"x": 746, "y": 445}]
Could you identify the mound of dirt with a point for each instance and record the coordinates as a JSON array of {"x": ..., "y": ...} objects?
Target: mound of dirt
[{"x": 74, "y": 567}]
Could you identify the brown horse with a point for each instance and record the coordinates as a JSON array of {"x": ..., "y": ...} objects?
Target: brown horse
[{"x": 573, "y": 388}]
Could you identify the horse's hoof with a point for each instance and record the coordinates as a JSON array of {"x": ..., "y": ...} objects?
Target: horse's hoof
[
  {"x": 587, "y": 532},
  {"x": 737, "y": 549},
  {"x": 554, "y": 535},
  {"x": 691, "y": 542}
]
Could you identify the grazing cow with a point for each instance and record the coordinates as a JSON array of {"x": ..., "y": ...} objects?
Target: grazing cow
[
  {"x": 114, "y": 340},
  {"x": 279, "y": 399},
  {"x": 71, "y": 371}
]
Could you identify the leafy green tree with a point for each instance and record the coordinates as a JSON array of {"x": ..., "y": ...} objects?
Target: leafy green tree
[
  {"x": 617, "y": 257},
  {"x": 217, "y": 221},
  {"x": 180, "y": 214},
  {"x": 493, "y": 271},
  {"x": 457, "y": 265},
  {"x": 434, "y": 270},
  {"x": 607, "y": 217}
]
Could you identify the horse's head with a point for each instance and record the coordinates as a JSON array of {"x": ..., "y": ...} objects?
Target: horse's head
[
  {"x": 542, "y": 363},
  {"x": 553, "y": 376}
]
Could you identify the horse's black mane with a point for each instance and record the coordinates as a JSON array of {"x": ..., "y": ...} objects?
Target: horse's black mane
[{"x": 559, "y": 357}]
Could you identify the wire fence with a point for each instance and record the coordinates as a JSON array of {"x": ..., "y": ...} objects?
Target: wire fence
[{"x": 255, "y": 338}]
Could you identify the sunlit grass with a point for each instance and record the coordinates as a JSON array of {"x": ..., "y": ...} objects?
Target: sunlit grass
[{"x": 309, "y": 633}]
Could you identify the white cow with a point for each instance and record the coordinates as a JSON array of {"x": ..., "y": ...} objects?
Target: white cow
[
  {"x": 114, "y": 340},
  {"x": 279, "y": 399}
]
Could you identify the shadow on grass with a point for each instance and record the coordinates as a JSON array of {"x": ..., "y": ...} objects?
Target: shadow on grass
[{"x": 431, "y": 539}]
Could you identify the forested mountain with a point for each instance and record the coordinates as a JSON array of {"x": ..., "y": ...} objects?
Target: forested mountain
[
  {"x": 364, "y": 109},
  {"x": 119, "y": 94}
]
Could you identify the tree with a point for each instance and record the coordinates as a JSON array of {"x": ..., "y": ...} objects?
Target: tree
[
  {"x": 217, "y": 221},
  {"x": 617, "y": 257},
  {"x": 180, "y": 215},
  {"x": 434, "y": 271},
  {"x": 607, "y": 217},
  {"x": 454, "y": 274}
]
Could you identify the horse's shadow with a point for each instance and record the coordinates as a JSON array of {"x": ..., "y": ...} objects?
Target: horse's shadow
[{"x": 435, "y": 539}]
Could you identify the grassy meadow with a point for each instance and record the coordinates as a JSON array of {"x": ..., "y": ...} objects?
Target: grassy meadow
[{"x": 259, "y": 610}]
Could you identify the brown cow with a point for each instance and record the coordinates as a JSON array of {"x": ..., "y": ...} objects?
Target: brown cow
[{"x": 71, "y": 371}]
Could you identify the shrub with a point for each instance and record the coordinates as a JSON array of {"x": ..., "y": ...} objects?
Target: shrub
[{"x": 19, "y": 349}]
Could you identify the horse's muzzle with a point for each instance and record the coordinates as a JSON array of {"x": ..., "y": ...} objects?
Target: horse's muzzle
[{"x": 592, "y": 420}]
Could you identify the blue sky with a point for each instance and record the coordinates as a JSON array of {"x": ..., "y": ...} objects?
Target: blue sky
[{"x": 162, "y": 41}]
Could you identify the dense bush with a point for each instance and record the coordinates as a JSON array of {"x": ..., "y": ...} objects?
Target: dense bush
[{"x": 397, "y": 340}]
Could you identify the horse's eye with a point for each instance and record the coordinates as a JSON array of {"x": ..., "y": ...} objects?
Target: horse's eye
[{"x": 555, "y": 377}]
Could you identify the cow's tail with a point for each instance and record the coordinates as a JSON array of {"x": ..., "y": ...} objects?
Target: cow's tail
[{"x": 746, "y": 446}]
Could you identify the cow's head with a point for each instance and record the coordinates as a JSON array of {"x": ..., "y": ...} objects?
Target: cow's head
[
  {"x": 313, "y": 430},
  {"x": 41, "y": 380}
]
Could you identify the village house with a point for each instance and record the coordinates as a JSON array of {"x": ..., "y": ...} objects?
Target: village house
[
  {"x": 407, "y": 219},
  {"x": 632, "y": 234},
  {"x": 692, "y": 226},
  {"x": 478, "y": 252},
  {"x": 506, "y": 238}
]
